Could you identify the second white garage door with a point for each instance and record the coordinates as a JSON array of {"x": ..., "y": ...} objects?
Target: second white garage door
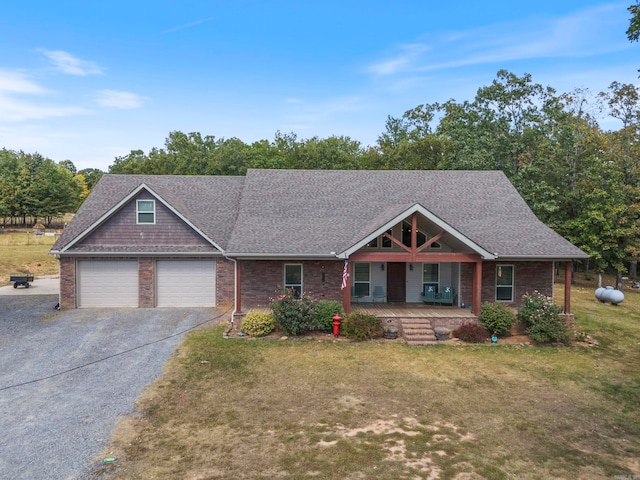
[{"x": 185, "y": 283}]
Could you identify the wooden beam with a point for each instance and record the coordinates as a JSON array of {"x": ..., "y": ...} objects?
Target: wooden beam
[
  {"x": 414, "y": 232},
  {"x": 346, "y": 293},
  {"x": 567, "y": 287},
  {"x": 430, "y": 257},
  {"x": 477, "y": 288},
  {"x": 431, "y": 241},
  {"x": 397, "y": 242}
]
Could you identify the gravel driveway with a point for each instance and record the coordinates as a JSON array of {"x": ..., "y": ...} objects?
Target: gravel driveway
[{"x": 52, "y": 424}]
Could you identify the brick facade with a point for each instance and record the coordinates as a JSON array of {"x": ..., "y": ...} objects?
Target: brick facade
[
  {"x": 146, "y": 281},
  {"x": 527, "y": 277},
  {"x": 67, "y": 282},
  {"x": 261, "y": 280},
  {"x": 225, "y": 282},
  {"x": 146, "y": 285}
]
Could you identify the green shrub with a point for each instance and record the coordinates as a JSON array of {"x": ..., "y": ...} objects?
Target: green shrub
[
  {"x": 295, "y": 315},
  {"x": 258, "y": 324},
  {"x": 542, "y": 318},
  {"x": 471, "y": 333},
  {"x": 361, "y": 326},
  {"x": 496, "y": 318},
  {"x": 325, "y": 311}
]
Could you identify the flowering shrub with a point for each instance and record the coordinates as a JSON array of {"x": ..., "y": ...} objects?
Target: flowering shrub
[
  {"x": 295, "y": 313},
  {"x": 543, "y": 320},
  {"x": 258, "y": 324}
]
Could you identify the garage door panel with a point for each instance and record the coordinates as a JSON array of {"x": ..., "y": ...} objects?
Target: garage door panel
[
  {"x": 185, "y": 283},
  {"x": 107, "y": 283}
]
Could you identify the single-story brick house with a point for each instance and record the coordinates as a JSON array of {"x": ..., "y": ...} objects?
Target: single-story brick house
[{"x": 400, "y": 236}]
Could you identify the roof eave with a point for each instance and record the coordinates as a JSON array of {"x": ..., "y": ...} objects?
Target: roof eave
[
  {"x": 136, "y": 254},
  {"x": 542, "y": 257},
  {"x": 281, "y": 256}
]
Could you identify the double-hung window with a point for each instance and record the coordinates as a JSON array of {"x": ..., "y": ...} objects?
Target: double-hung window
[
  {"x": 146, "y": 211},
  {"x": 361, "y": 279},
  {"x": 504, "y": 283},
  {"x": 430, "y": 276},
  {"x": 293, "y": 278}
]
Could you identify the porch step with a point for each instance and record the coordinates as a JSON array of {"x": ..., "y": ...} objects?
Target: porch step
[{"x": 418, "y": 331}]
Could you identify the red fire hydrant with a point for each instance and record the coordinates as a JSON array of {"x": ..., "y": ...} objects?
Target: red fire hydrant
[{"x": 336, "y": 324}]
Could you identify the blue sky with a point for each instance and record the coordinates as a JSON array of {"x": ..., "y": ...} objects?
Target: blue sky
[{"x": 91, "y": 80}]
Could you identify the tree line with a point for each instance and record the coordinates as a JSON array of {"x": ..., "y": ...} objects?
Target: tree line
[{"x": 34, "y": 188}]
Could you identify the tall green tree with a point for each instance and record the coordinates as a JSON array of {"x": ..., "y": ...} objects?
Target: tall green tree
[
  {"x": 91, "y": 176},
  {"x": 633, "y": 32}
]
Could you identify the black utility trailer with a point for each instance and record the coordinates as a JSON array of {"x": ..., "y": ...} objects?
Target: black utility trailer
[{"x": 21, "y": 280}]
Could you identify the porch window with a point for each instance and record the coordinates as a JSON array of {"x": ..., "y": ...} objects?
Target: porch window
[
  {"x": 421, "y": 238},
  {"x": 430, "y": 276},
  {"x": 146, "y": 211},
  {"x": 293, "y": 278},
  {"x": 504, "y": 283},
  {"x": 361, "y": 279},
  {"x": 386, "y": 242}
]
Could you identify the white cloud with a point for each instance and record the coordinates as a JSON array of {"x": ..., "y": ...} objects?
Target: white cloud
[
  {"x": 15, "y": 110},
  {"x": 409, "y": 53},
  {"x": 120, "y": 100},
  {"x": 18, "y": 82},
  {"x": 14, "y": 85},
  {"x": 188, "y": 25},
  {"x": 581, "y": 34},
  {"x": 66, "y": 63}
]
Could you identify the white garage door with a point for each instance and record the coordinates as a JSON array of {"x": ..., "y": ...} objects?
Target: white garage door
[
  {"x": 185, "y": 283},
  {"x": 107, "y": 283}
]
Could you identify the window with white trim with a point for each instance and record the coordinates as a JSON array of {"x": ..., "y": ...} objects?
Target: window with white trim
[
  {"x": 431, "y": 276},
  {"x": 146, "y": 211},
  {"x": 361, "y": 279},
  {"x": 293, "y": 278},
  {"x": 504, "y": 283}
]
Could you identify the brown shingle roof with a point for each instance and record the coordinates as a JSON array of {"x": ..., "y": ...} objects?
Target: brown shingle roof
[{"x": 316, "y": 212}]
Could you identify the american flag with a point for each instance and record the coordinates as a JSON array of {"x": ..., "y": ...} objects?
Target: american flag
[{"x": 345, "y": 274}]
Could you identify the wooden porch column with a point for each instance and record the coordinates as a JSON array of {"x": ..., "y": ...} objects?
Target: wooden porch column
[
  {"x": 237, "y": 288},
  {"x": 346, "y": 292},
  {"x": 567, "y": 287},
  {"x": 477, "y": 288}
]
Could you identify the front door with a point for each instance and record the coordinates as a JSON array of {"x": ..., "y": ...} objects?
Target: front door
[{"x": 396, "y": 282}]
